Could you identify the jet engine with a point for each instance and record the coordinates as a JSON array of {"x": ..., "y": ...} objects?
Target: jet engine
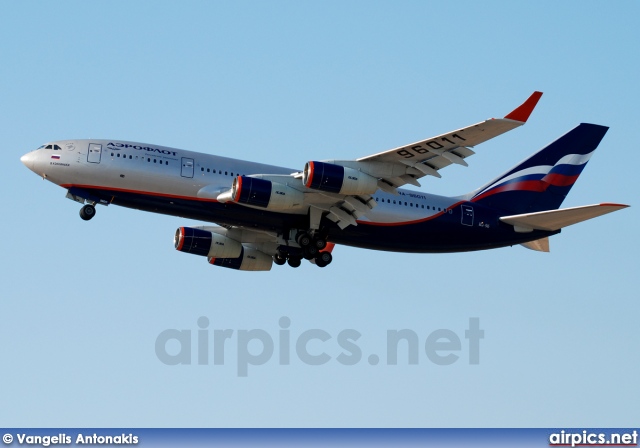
[
  {"x": 262, "y": 193},
  {"x": 205, "y": 243},
  {"x": 338, "y": 179},
  {"x": 250, "y": 259}
]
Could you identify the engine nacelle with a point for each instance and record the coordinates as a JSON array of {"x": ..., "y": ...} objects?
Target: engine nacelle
[
  {"x": 205, "y": 243},
  {"x": 250, "y": 259},
  {"x": 263, "y": 193},
  {"x": 338, "y": 179}
]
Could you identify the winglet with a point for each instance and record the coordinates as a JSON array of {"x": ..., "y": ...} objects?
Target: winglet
[{"x": 522, "y": 112}]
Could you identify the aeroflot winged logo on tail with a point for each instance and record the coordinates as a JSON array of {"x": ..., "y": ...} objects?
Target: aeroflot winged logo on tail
[
  {"x": 274, "y": 215},
  {"x": 117, "y": 146},
  {"x": 538, "y": 178}
]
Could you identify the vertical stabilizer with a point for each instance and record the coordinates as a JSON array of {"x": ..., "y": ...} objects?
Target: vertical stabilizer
[{"x": 543, "y": 180}]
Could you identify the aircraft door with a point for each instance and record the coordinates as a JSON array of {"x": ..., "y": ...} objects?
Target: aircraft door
[
  {"x": 187, "y": 167},
  {"x": 467, "y": 215},
  {"x": 94, "y": 153}
]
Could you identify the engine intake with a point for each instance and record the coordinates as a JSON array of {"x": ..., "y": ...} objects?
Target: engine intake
[
  {"x": 250, "y": 259},
  {"x": 337, "y": 179},
  {"x": 205, "y": 243}
]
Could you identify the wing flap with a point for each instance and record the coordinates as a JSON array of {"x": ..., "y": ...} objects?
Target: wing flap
[{"x": 552, "y": 220}]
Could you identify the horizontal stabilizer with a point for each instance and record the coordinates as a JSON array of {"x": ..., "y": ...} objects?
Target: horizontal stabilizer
[
  {"x": 552, "y": 220},
  {"x": 541, "y": 245}
]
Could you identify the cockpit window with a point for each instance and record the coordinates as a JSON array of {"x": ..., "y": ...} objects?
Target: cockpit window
[
  {"x": 57, "y": 148},
  {"x": 40, "y": 147},
  {"x": 49, "y": 147}
]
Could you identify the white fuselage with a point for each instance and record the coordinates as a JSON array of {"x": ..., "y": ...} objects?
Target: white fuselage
[{"x": 157, "y": 170}]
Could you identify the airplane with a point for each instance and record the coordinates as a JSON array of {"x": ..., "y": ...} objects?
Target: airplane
[{"x": 268, "y": 214}]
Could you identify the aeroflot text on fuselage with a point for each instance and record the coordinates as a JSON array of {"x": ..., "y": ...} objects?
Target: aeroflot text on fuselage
[
  {"x": 118, "y": 145},
  {"x": 270, "y": 214}
]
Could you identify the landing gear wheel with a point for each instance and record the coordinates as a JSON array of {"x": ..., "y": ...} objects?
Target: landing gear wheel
[
  {"x": 294, "y": 262},
  {"x": 279, "y": 259},
  {"x": 309, "y": 252},
  {"x": 319, "y": 243},
  {"x": 303, "y": 239},
  {"x": 323, "y": 259},
  {"x": 87, "y": 212}
]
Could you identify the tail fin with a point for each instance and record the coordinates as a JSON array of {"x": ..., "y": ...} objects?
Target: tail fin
[{"x": 543, "y": 180}]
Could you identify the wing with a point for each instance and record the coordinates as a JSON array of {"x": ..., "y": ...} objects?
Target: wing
[
  {"x": 388, "y": 170},
  {"x": 429, "y": 156},
  {"x": 341, "y": 190}
]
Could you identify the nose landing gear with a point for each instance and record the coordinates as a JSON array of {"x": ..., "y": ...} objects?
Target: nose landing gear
[{"x": 87, "y": 212}]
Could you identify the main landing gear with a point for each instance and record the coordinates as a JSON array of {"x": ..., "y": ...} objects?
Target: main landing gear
[
  {"x": 293, "y": 259},
  {"x": 87, "y": 212},
  {"x": 311, "y": 247},
  {"x": 323, "y": 259}
]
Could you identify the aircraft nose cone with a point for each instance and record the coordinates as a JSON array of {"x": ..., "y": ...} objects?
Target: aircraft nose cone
[{"x": 27, "y": 160}]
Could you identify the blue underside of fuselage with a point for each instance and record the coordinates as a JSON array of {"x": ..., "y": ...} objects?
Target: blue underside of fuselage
[{"x": 441, "y": 234}]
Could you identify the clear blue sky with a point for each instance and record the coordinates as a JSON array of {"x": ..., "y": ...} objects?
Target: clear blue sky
[{"x": 283, "y": 83}]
